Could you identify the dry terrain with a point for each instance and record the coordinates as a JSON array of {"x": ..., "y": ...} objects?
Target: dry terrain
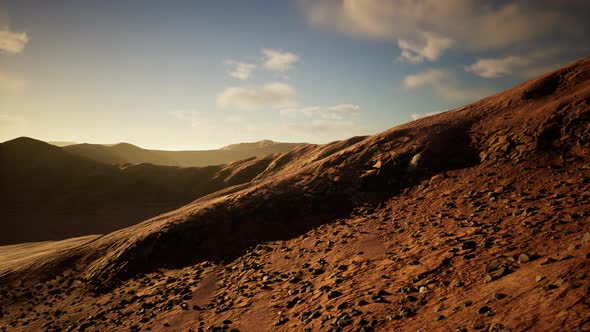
[{"x": 476, "y": 219}]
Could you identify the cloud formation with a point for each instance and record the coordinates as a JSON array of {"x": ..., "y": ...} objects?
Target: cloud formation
[
  {"x": 279, "y": 61},
  {"x": 240, "y": 70},
  {"x": 336, "y": 112},
  {"x": 323, "y": 128},
  {"x": 429, "y": 47},
  {"x": 444, "y": 85},
  {"x": 425, "y": 78},
  {"x": 497, "y": 67},
  {"x": 12, "y": 42},
  {"x": 274, "y": 96},
  {"x": 425, "y": 29}
]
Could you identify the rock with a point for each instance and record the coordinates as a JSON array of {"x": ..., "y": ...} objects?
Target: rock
[
  {"x": 415, "y": 162},
  {"x": 468, "y": 303},
  {"x": 495, "y": 271},
  {"x": 342, "y": 306},
  {"x": 317, "y": 272},
  {"x": 281, "y": 321},
  {"x": 523, "y": 258},
  {"x": 439, "y": 317},
  {"x": 292, "y": 302},
  {"x": 334, "y": 294},
  {"x": 469, "y": 245},
  {"x": 383, "y": 292},
  {"x": 483, "y": 310}
]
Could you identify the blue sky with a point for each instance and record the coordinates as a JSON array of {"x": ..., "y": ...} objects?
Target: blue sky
[{"x": 203, "y": 74}]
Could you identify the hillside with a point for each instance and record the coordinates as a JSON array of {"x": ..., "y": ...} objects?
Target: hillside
[
  {"x": 124, "y": 153},
  {"x": 61, "y": 143},
  {"x": 75, "y": 196},
  {"x": 473, "y": 219}
]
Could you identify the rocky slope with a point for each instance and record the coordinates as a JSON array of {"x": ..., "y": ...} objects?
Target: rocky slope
[
  {"x": 124, "y": 153},
  {"x": 75, "y": 196},
  {"x": 474, "y": 219}
]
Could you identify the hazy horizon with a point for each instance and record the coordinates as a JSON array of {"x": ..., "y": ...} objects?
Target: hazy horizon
[{"x": 186, "y": 75}]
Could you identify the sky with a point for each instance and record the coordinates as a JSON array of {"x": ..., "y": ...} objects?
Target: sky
[{"x": 186, "y": 75}]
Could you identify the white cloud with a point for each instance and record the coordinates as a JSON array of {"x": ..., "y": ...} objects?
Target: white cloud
[
  {"x": 417, "y": 116},
  {"x": 492, "y": 68},
  {"x": 10, "y": 84},
  {"x": 277, "y": 60},
  {"x": 429, "y": 47},
  {"x": 470, "y": 24},
  {"x": 425, "y": 78},
  {"x": 444, "y": 85},
  {"x": 336, "y": 112},
  {"x": 240, "y": 70},
  {"x": 274, "y": 95},
  {"x": 322, "y": 127},
  {"x": 12, "y": 42}
]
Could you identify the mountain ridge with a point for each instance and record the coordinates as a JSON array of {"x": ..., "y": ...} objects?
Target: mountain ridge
[
  {"x": 76, "y": 196},
  {"x": 122, "y": 153}
]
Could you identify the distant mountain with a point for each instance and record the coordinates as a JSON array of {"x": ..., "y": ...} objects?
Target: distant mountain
[
  {"x": 47, "y": 193},
  {"x": 125, "y": 153},
  {"x": 61, "y": 144},
  {"x": 264, "y": 146}
]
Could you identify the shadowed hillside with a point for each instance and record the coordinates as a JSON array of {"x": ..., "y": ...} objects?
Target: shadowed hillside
[
  {"x": 458, "y": 221},
  {"x": 74, "y": 196},
  {"x": 123, "y": 153}
]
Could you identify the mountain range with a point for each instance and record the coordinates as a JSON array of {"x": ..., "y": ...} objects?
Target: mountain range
[{"x": 125, "y": 153}]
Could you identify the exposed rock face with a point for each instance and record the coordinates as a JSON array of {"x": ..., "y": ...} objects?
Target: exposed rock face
[{"x": 443, "y": 223}]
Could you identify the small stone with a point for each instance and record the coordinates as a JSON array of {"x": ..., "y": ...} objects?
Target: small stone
[
  {"x": 549, "y": 260},
  {"x": 483, "y": 310},
  {"x": 334, "y": 294},
  {"x": 523, "y": 258},
  {"x": 281, "y": 321},
  {"x": 539, "y": 278},
  {"x": 468, "y": 303},
  {"x": 469, "y": 245},
  {"x": 342, "y": 306},
  {"x": 440, "y": 317}
]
